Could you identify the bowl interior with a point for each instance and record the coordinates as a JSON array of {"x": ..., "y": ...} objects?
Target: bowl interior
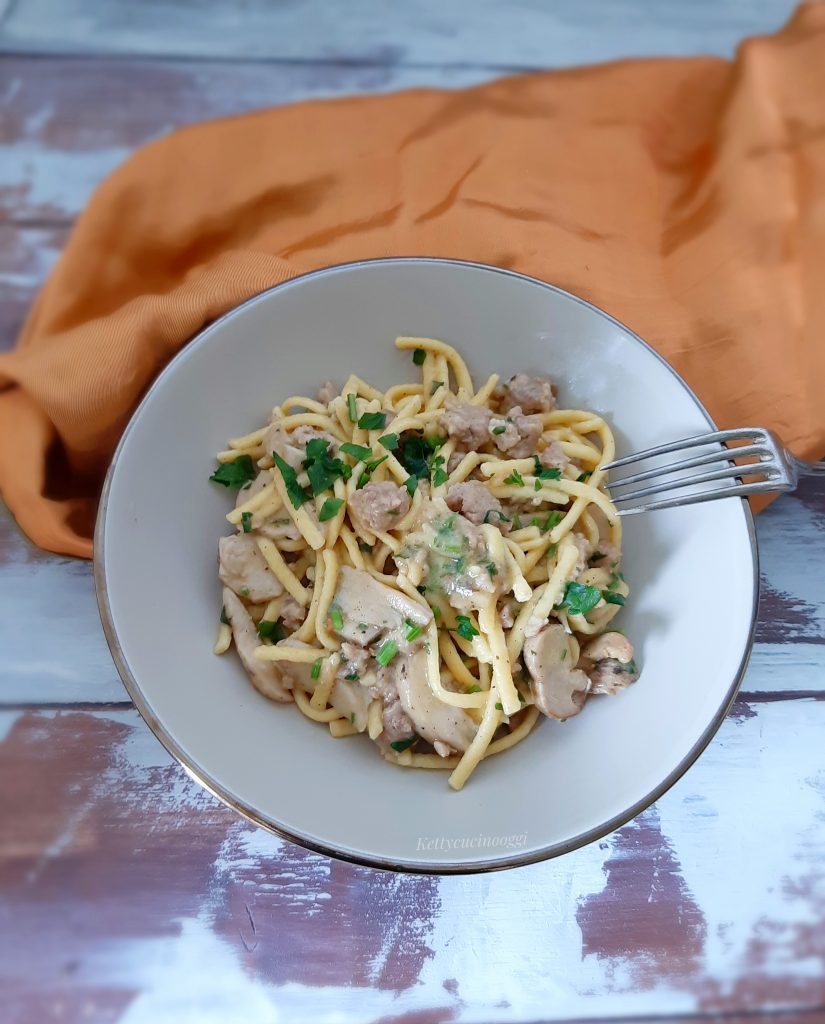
[{"x": 691, "y": 573}]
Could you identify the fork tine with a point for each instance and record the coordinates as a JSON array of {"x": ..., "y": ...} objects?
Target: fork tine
[
  {"x": 761, "y": 469},
  {"x": 720, "y": 455},
  {"x": 737, "y": 491},
  {"x": 743, "y": 434}
]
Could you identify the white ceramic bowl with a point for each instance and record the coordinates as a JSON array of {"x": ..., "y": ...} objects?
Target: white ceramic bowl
[{"x": 692, "y": 572}]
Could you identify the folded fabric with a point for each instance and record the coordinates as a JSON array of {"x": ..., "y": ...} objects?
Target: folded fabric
[{"x": 684, "y": 196}]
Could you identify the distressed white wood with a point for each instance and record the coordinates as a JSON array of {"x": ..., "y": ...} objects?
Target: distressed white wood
[
  {"x": 710, "y": 901},
  {"x": 519, "y": 34},
  {"x": 71, "y": 122}
]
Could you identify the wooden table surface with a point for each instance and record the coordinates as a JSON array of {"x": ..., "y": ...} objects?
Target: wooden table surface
[{"x": 127, "y": 893}]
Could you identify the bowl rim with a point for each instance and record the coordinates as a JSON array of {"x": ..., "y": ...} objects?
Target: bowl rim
[{"x": 412, "y": 866}]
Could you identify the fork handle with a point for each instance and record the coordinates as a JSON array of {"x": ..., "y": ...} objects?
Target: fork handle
[{"x": 810, "y": 468}]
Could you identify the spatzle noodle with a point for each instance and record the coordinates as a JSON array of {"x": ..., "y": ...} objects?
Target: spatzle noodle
[{"x": 433, "y": 566}]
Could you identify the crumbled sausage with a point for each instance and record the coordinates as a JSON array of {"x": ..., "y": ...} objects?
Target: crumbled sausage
[
  {"x": 475, "y": 502},
  {"x": 531, "y": 394},
  {"x": 468, "y": 424},
  {"x": 520, "y": 434},
  {"x": 380, "y": 506}
]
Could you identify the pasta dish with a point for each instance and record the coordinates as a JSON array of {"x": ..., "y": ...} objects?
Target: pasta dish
[{"x": 435, "y": 565}]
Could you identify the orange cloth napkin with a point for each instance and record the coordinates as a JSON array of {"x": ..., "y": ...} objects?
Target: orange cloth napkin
[{"x": 684, "y": 196}]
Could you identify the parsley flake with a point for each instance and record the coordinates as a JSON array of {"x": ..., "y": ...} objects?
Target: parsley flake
[{"x": 236, "y": 473}]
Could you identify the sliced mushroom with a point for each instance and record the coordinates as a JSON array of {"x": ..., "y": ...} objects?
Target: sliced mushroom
[
  {"x": 608, "y": 661},
  {"x": 559, "y": 689},
  {"x": 434, "y": 721},
  {"x": 268, "y": 677},
  {"x": 369, "y": 608},
  {"x": 396, "y": 721},
  {"x": 352, "y": 700},
  {"x": 243, "y": 568}
]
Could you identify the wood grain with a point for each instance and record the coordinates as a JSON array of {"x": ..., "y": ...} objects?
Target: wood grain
[
  {"x": 127, "y": 893},
  {"x": 519, "y": 34},
  {"x": 67, "y": 123},
  {"x": 27, "y": 254},
  {"x": 703, "y": 904}
]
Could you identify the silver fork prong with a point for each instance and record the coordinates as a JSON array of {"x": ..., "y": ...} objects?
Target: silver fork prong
[
  {"x": 759, "y": 469},
  {"x": 743, "y": 434},
  {"x": 720, "y": 455},
  {"x": 737, "y": 491}
]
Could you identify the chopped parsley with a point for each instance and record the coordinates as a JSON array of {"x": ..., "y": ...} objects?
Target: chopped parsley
[
  {"x": 419, "y": 355},
  {"x": 372, "y": 420},
  {"x": 537, "y": 484},
  {"x": 499, "y": 430},
  {"x": 612, "y": 598},
  {"x": 369, "y": 467},
  {"x": 517, "y": 522},
  {"x": 435, "y": 441},
  {"x": 579, "y": 598},
  {"x": 330, "y": 509},
  {"x": 389, "y": 441},
  {"x": 243, "y": 591},
  {"x": 499, "y": 706},
  {"x": 352, "y": 408},
  {"x": 492, "y": 570},
  {"x": 352, "y": 713},
  {"x": 236, "y": 473},
  {"x": 584, "y": 476},
  {"x": 411, "y": 631},
  {"x": 475, "y": 688},
  {"x": 551, "y": 550},
  {"x": 357, "y": 451},
  {"x": 246, "y": 522},
  {"x": 336, "y": 618},
  {"x": 224, "y": 619},
  {"x": 552, "y": 519},
  {"x": 315, "y": 671},
  {"x": 268, "y": 630},
  {"x": 363, "y": 546},
  {"x": 399, "y": 745},
  {"x": 614, "y": 580},
  {"x": 386, "y": 652},
  {"x": 322, "y": 469},
  {"x": 515, "y": 478},
  {"x": 352, "y": 676},
  {"x": 495, "y": 512},
  {"x": 315, "y": 448},
  {"x": 413, "y": 454},
  {"x": 439, "y": 475},
  {"x": 297, "y": 494},
  {"x": 411, "y": 483},
  {"x": 465, "y": 629},
  {"x": 544, "y": 474}
]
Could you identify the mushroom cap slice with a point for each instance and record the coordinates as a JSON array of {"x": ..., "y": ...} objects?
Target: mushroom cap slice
[
  {"x": 612, "y": 645},
  {"x": 433, "y": 720},
  {"x": 559, "y": 690}
]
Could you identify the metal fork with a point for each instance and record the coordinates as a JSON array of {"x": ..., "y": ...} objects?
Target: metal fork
[{"x": 775, "y": 470}]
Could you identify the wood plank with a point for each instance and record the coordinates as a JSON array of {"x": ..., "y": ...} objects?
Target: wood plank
[
  {"x": 519, "y": 34},
  {"x": 27, "y": 254},
  {"x": 52, "y": 643},
  {"x": 73, "y": 663},
  {"x": 67, "y": 123},
  {"x": 701, "y": 905}
]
